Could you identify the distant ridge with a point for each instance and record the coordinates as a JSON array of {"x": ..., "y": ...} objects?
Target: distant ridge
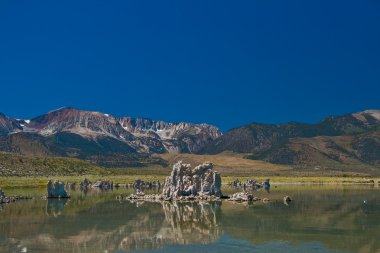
[{"x": 351, "y": 139}]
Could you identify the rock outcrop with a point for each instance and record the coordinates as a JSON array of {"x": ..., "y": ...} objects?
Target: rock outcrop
[
  {"x": 200, "y": 181},
  {"x": 103, "y": 184},
  {"x": 56, "y": 190},
  {"x": 185, "y": 183}
]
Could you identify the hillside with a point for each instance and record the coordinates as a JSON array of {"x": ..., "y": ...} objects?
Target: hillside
[
  {"x": 336, "y": 142},
  {"x": 20, "y": 166}
]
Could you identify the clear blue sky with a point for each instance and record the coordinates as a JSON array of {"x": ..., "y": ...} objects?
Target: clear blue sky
[{"x": 222, "y": 62}]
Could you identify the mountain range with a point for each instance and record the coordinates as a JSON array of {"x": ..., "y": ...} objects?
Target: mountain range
[
  {"x": 351, "y": 139},
  {"x": 101, "y": 137}
]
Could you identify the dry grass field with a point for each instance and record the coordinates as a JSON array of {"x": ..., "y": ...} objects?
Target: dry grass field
[{"x": 229, "y": 163}]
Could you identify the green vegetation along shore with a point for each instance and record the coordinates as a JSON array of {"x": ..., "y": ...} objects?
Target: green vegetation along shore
[{"x": 11, "y": 182}]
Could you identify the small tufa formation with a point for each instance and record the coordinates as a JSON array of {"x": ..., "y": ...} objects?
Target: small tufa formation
[
  {"x": 242, "y": 197},
  {"x": 138, "y": 184},
  {"x": 245, "y": 197},
  {"x": 103, "y": 184},
  {"x": 6, "y": 200},
  {"x": 71, "y": 186},
  {"x": 250, "y": 184},
  {"x": 141, "y": 185},
  {"x": 198, "y": 182},
  {"x": 56, "y": 190},
  {"x": 287, "y": 200},
  {"x": 85, "y": 184},
  {"x": 267, "y": 183},
  {"x": 2, "y": 196}
]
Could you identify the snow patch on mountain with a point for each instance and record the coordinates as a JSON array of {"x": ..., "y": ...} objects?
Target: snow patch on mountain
[
  {"x": 374, "y": 113},
  {"x": 362, "y": 115}
]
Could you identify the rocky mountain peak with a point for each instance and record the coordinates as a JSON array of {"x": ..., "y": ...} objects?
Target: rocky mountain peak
[
  {"x": 86, "y": 123},
  {"x": 172, "y": 137},
  {"x": 368, "y": 116},
  {"x": 8, "y": 125},
  {"x": 166, "y": 130},
  {"x": 143, "y": 135}
]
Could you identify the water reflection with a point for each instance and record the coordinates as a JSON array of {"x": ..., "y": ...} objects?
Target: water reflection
[
  {"x": 111, "y": 225},
  {"x": 182, "y": 223},
  {"x": 323, "y": 220},
  {"x": 54, "y": 206}
]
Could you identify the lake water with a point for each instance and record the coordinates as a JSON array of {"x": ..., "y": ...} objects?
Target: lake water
[{"x": 320, "y": 219}]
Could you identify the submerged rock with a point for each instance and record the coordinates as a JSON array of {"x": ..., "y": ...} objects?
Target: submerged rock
[
  {"x": 139, "y": 195},
  {"x": 56, "y": 190}
]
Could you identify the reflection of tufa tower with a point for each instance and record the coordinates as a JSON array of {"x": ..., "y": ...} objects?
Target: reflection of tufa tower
[
  {"x": 55, "y": 206},
  {"x": 184, "y": 223},
  {"x": 188, "y": 223}
]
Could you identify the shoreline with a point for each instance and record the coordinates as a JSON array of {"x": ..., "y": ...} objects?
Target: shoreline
[
  {"x": 325, "y": 183},
  {"x": 22, "y": 182}
]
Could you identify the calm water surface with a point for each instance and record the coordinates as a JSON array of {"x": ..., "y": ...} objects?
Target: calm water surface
[{"x": 320, "y": 219}]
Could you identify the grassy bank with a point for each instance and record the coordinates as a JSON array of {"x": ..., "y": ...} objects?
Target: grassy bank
[
  {"x": 13, "y": 165},
  {"x": 10, "y": 182},
  {"x": 309, "y": 180}
]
